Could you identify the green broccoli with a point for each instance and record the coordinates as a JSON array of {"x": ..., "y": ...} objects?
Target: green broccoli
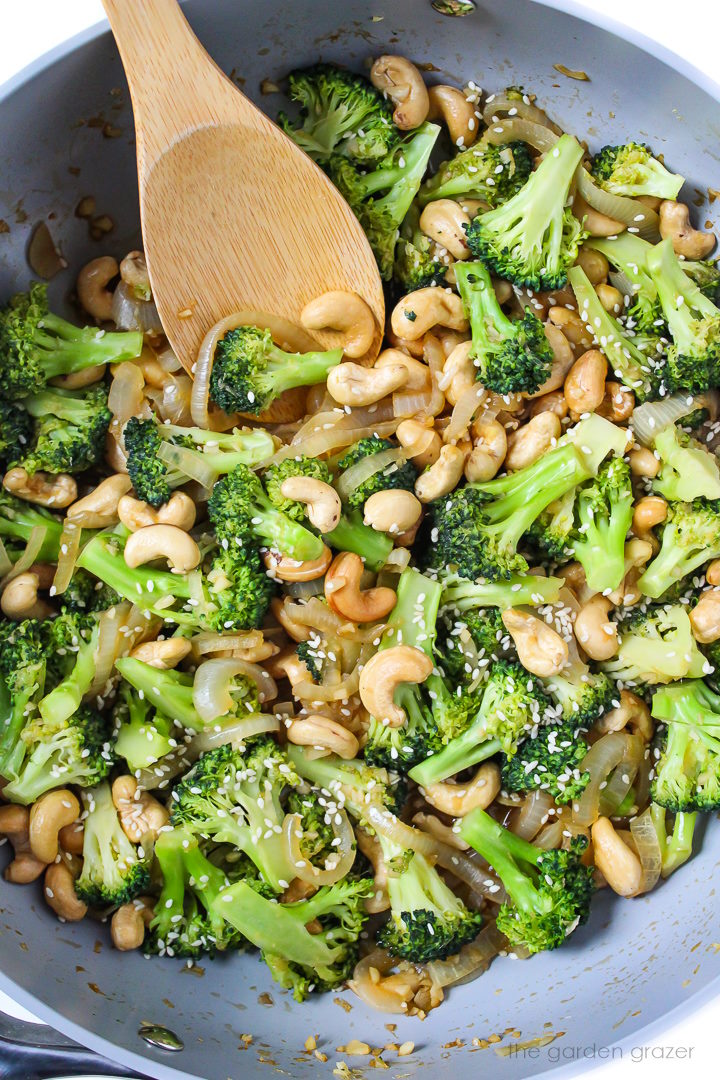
[
  {"x": 114, "y": 870},
  {"x": 353, "y": 784},
  {"x": 36, "y": 346},
  {"x": 161, "y": 457},
  {"x": 487, "y": 172},
  {"x": 676, "y": 848},
  {"x": 687, "y": 471},
  {"x": 687, "y": 772},
  {"x": 604, "y": 511},
  {"x": 416, "y": 264},
  {"x": 519, "y": 589},
  {"x": 581, "y": 694},
  {"x": 533, "y": 238},
  {"x": 239, "y": 590},
  {"x": 85, "y": 594},
  {"x": 142, "y": 734},
  {"x": 656, "y": 646},
  {"x": 690, "y": 538},
  {"x": 340, "y": 113},
  {"x": 511, "y": 355},
  {"x": 22, "y": 680},
  {"x": 631, "y": 170},
  {"x": 276, "y": 474},
  {"x": 16, "y": 433},
  {"x": 628, "y": 253},
  {"x": 17, "y": 521},
  {"x": 70, "y": 429},
  {"x": 250, "y": 371},
  {"x": 393, "y": 474},
  {"x": 549, "y": 892},
  {"x": 75, "y": 636},
  {"x": 549, "y": 761}
]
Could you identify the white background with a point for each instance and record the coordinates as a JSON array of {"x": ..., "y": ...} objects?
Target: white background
[{"x": 691, "y": 29}]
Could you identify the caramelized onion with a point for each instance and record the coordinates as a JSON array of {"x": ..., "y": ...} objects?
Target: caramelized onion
[
  {"x": 630, "y": 212},
  {"x": 472, "y": 960},
  {"x": 648, "y": 848},
  {"x": 603, "y": 756},
  {"x": 131, "y": 313},
  {"x": 464, "y": 411},
  {"x": 36, "y": 539},
  {"x": 345, "y": 850},
  {"x": 368, "y": 466},
  {"x": 236, "y": 732},
  {"x": 517, "y": 129},
  {"x": 524, "y": 110},
  {"x": 532, "y": 815},
  {"x": 67, "y": 557},
  {"x": 125, "y": 398},
  {"x": 212, "y": 696}
]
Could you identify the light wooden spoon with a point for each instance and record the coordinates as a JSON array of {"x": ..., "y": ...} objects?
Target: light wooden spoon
[{"x": 234, "y": 215}]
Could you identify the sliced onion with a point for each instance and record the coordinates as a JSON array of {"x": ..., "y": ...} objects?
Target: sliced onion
[
  {"x": 36, "y": 539},
  {"x": 618, "y": 786},
  {"x": 648, "y": 848},
  {"x": 125, "y": 398},
  {"x": 207, "y": 642},
  {"x": 368, "y": 466},
  {"x": 304, "y": 590},
  {"x": 648, "y": 420},
  {"x": 630, "y": 212},
  {"x": 188, "y": 462},
  {"x": 385, "y": 823},
  {"x": 550, "y": 838},
  {"x": 236, "y": 732},
  {"x": 462, "y": 415},
  {"x": 167, "y": 359},
  {"x": 343, "y": 691},
  {"x": 480, "y": 879},
  {"x": 533, "y": 814},
  {"x": 110, "y": 643},
  {"x": 5, "y": 561},
  {"x": 326, "y": 442},
  {"x": 68, "y": 552},
  {"x": 525, "y": 110},
  {"x": 602, "y": 757},
  {"x": 174, "y": 404},
  {"x": 434, "y": 357},
  {"x": 472, "y": 960},
  {"x": 131, "y": 313},
  {"x": 517, "y": 129},
  {"x": 211, "y": 686},
  {"x": 412, "y": 403},
  {"x": 307, "y": 871},
  {"x": 374, "y": 993}
]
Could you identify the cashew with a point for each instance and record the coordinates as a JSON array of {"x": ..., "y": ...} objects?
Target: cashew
[
  {"x": 392, "y": 511},
  {"x": 162, "y": 542},
  {"x": 404, "y": 85},
  {"x": 140, "y": 814},
  {"x": 705, "y": 617},
  {"x": 618, "y": 403},
  {"x": 352, "y": 384},
  {"x": 134, "y": 272},
  {"x": 443, "y": 222},
  {"x": 162, "y": 654},
  {"x": 423, "y": 309},
  {"x": 418, "y": 374},
  {"x": 382, "y": 675},
  {"x": 15, "y": 824},
  {"x": 637, "y": 553},
  {"x": 648, "y": 513},
  {"x": 675, "y": 226},
  {"x": 99, "y": 509},
  {"x": 632, "y": 712},
  {"x": 531, "y": 441},
  {"x": 563, "y": 357},
  {"x": 179, "y": 510},
  {"x": 60, "y": 895},
  {"x": 449, "y": 104},
  {"x": 643, "y": 462},
  {"x": 594, "y": 264},
  {"x": 71, "y": 838},
  {"x": 459, "y": 799},
  {"x": 595, "y": 223},
  {"x": 620, "y": 866},
  {"x": 595, "y": 632},
  {"x": 488, "y": 452},
  {"x": 458, "y": 373},
  {"x": 51, "y": 813},
  {"x": 344, "y": 595},
  {"x": 287, "y": 665},
  {"x": 540, "y": 648},
  {"x": 295, "y": 630},
  {"x": 441, "y": 477},
  {"x": 345, "y": 312},
  {"x": 56, "y": 492},
  {"x": 412, "y": 348},
  {"x": 553, "y": 402},
  {"x": 572, "y": 326},
  {"x": 712, "y": 574},
  {"x": 92, "y": 292},
  {"x": 78, "y": 380},
  {"x": 322, "y": 733},
  {"x": 284, "y": 568},
  {"x": 585, "y": 382},
  {"x": 322, "y": 501},
  {"x": 129, "y": 923},
  {"x": 610, "y": 298},
  {"x": 19, "y": 599},
  {"x": 420, "y": 441}
]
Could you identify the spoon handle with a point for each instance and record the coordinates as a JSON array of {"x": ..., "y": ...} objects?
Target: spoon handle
[{"x": 175, "y": 86}]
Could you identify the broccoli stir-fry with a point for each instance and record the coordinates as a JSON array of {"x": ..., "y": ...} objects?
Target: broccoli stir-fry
[{"x": 376, "y": 666}]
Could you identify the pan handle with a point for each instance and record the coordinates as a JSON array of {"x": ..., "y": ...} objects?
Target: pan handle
[{"x": 36, "y": 1052}]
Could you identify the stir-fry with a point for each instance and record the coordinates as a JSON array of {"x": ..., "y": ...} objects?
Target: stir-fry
[{"x": 380, "y": 666}]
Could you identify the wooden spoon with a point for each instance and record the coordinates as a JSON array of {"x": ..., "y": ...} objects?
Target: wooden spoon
[{"x": 234, "y": 215}]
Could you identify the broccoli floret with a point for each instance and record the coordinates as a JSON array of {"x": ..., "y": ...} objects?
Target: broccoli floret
[
  {"x": 70, "y": 429},
  {"x": 416, "y": 266},
  {"x": 487, "y": 172},
  {"x": 511, "y": 355},
  {"x": 427, "y": 920},
  {"x": 693, "y": 359},
  {"x": 161, "y": 457},
  {"x": 382, "y": 198},
  {"x": 549, "y": 761},
  {"x": 631, "y": 170},
  {"x": 690, "y": 538},
  {"x": 706, "y": 276},
  {"x": 57, "y": 754},
  {"x": 276, "y": 474},
  {"x": 354, "y": 784},
  {"x": 581, "y": 694},
  {"x": 340, "y": 112},
  {"x": 552, "y": 532},
  {"x": 687, "y": 471},
  {"x": 687, "y": 773},
  {"x": 297, "y": 959},
  {"x": 656, "y": 646},
  {"x": 676, "y": 848},
  {"x": 641, "y": 371},
  {"x": 411, "y": 622},
  {"x": 234, "y": 796},
  {"x": 512, "y": 703},
  {"x": 16, "y": 433},
  {"x": 307, "y": 652},
  {"x": 36, "y": 345},
  {"x": 549, "y": 891},
  {"x": 317, "y": 842},
  {"x": 239, "y": 508},
  {"x": 184, "y": 923},
  {"x": 142, "y": 734},
  {"x": 114, "y": 870},
  {"x": 85, "y": 594},
  {"x": 17, "y": 521},
  {"x": 351, "y": 534},
  {"x": 396, "y": 475},
  {"x": 467, "y": 641},
  {"x": 250, "y": 371},
  {"x": 76, "y": 635},
  {"x": 477, "y": 528},
  {"x": 628, "y": 254},
  {"x": 604, "y": 511},
  {"x": 239, "y": 590},
  {"x": 533, "y": 238},
  {"x": 22, "y": 680}
]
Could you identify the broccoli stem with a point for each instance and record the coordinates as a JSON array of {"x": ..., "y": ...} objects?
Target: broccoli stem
[
  {"x": 412, "y": 620},
  {"x": 285, "y": 371},
  {"x": 503, "y": 850},
  {"x": 518, "y": 589},
  {"x": 103, "y": 558},
  {"x": 351, "y": 534},
  {"x": 170, "y": 692},
  {"x": 460, "y": 753},
  {"x": 18, "y": 519},
  {"x": 677, "y": 848},
  {"x": 62, "y": 702},
  {"x": 682, "y": 300},
  {"x": 72, "y": 348},
  {"x": 402, "y": 180}
]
